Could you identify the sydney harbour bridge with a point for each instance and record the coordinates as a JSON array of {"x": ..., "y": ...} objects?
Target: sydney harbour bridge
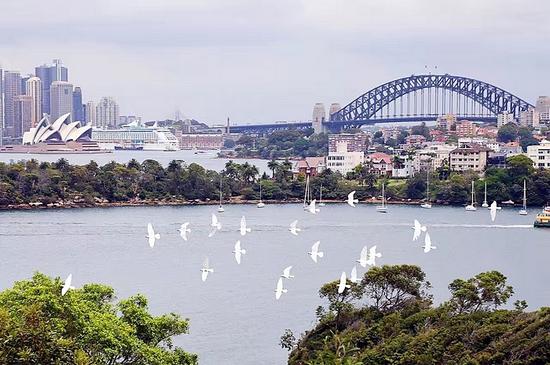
[{"x": 414, "y": 99}]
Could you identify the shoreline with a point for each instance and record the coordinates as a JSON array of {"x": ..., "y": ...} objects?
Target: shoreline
[{"x": 144, "y": 203}]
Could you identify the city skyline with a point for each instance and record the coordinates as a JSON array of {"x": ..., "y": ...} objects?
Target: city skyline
[{"x": 259, "y": 61}]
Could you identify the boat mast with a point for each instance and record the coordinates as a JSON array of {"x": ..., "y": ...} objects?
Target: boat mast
[
  {"x": 524, "y": 195},
  {"x": 473, "y": 193},
  {"x": 428, "y": 186},
  {"x": 383, "y": 196},
  {"x": 220, "y": 191}
]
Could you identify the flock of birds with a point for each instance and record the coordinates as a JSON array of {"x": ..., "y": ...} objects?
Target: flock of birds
[{"x": 367, "y": 256}]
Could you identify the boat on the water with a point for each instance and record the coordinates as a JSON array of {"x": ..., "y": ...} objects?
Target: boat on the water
[
  {"x": 523, "y": 210},
  {"x": 427, "y": 204},
  {"x": 542, "y": 220},
  {"x": 382, "y": 208},
  {"x": 472, "y": 206}
]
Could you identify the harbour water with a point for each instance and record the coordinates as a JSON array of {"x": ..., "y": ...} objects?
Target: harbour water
[
  {"x": 207, "y": 159},
  {"x": 234, "y": 316}
]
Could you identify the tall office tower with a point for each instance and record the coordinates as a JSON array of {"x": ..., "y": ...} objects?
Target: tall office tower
[
  {"x": 22, "y": 115},
  {"x": 61, "y": 99},
  {"x": 318, "y": 118},
  {"x": 12, "y": 88},
  {"x": 49, "y": 74},
  {"x": 91, "y": 114},
  {"x": 78, "y": 108},
  {"x": 107, "y": 113},
  {"x": 33, "y": 88},
  {"x": 1, "y": 107}
]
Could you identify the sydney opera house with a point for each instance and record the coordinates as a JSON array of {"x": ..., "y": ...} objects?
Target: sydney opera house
[{"x": 61, "y": 136}]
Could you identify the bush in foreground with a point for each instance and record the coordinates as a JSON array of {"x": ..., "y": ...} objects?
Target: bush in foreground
[{"x": 39, "y": 326}]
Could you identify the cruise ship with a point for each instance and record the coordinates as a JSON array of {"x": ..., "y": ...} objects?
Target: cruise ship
[{"x": 136, "y": 137}]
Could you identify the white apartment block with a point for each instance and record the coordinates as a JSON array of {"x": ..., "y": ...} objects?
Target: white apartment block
[
  {"x": 505, "y": 118},
  {"x": 343, "y": 161},
  {"x": 540, "y": 154}
]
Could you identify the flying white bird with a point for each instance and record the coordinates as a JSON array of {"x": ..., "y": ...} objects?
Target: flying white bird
[
  {"x": 351, "y": 200},
  {"x": 206, "y": 269},
  {"x": 151, "y": 235},
  {"x": 238, "y": 252},
  {"x": 286, "y": 273},
  {"x": 493, "y": 210},
  {"x": 428, "y": 244},
  {"x": 363, "y": 259},
  {"x": 353, "y": 275},
  {"x": 315, "y": 251},
  {"x": 343, "y": 283},
  {"x": 373, "y": 255},
  {"x": 293, "y": 228},
  {"x": 183, "y": 230},
  {"x": 67, "y": 285},
  {"x": 280, "y": 290},
  {"x": 244, "y": 230},
  {"x": 418, "y": 229},
  {"x": 216, "y": 225},
  {"x": 312, "y": 209}
]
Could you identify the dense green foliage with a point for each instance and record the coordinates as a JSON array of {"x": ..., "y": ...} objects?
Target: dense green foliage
[
  {"x": 283, "y": 144},
  {"x": 512, "y": 132},
  {"x": 48, "y": 183},
  {"x": 40, "y": 326},
  {"x": 388, "y": 318}
]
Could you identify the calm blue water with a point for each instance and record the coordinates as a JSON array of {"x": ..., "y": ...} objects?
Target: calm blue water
[
  {"x": 207, "y": 159},
  {"x": 234, "y": 316}
]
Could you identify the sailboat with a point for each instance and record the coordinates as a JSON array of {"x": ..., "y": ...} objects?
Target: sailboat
[
  {"x": 321, "y": 204},
  {"x": 485, "y": 204},
  {"x": 427, "y": 204},
  {"x": 220, "y": 207},
  {"x": 261, "y": 203},
  {"x": 382, "y": 208},
  {"x": 307, "y": 194},
  {"x": 471, "y": 207},
  {"x": 523, "y": 210}
]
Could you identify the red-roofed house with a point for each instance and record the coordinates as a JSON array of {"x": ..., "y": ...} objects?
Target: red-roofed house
[
  {"x": 309, "y": 165},
  {"x": 381, "y": 163}
]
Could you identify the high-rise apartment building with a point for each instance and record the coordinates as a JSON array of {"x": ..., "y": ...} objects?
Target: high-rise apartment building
[
  {"x": 505, "y": 118},
  {"x": 91, "y": 114},
  {"x": 1, "y": 107},
  {"x": 61, "y": 99},
  {"x": 48, "y": 74},
  {"x": 78, "y": 107},
  {"x": 33, "y": 88},
  {"x": 353, "y": 142},
  {"x": 22, "y": 114},
  {"x": 107, "y": 113},
  {"x": 12, "y": 88},
  {"x": 529, "y": 118}
]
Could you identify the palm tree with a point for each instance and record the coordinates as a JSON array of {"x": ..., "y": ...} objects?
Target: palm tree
[{"x": 272, "y": 165}]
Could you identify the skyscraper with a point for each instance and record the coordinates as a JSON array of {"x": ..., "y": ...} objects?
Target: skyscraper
[
  {"x": 22, "y": 114},
  {"x": 12, "y": 88},
  {"x": 1, "y": 107},
  {"x": 78, "y": 108},
  {"x": 61, "y": 99},
  {"x": 49, "y": 74},
  {"x": 91, "y": 114},
  {"x": 33, "y": 88},
  {"x": 107, "y": 113}
]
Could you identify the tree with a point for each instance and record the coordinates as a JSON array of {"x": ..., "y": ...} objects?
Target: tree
[
  {"x": 483, "y": 292},
  {"x": 390, "y": 288},
  {"x": 272, "y": 165},
  {"x": 507, "y": 133},
  {"x": 519, "y": 167},
  {"x": 40, "y": 326}
]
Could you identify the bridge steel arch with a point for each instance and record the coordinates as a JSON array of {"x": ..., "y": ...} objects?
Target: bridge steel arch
[{"x": 366, "y": 106}]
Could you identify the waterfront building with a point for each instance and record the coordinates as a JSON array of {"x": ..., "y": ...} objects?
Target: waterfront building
[
  {"x": 319, "y": 116},
  {"x": 490, "y": 143},
  {"x": 540, "y": 154},
  {"x": 309, "y": 165},
  {"x": 511, "y": 148},
  {"x": 380, "y": 163},
  {"x": 505, "y": 118},
  {"x": 1, "y": 107},
  {"x": 446, "y": 122},
  {"x": 432, "y": 157},
  {"x": 61, "y": 99},
  {"x": 201, "y": 141},
  {"x": 12, "y": 88},
  {"x": 350, "y": 142},
  {"x": 133, "y": 137},
  {"x": 466, "y": 128},
  {"x": 529, "y": 118},
  {"x": 91, "y": 114},
  {"x": 471, "y": 157},
  {"x": 34, "y": 90},
  {"x": 402, "y": 166},
  {"x": 61, "y": 130},
  {"x": 48, "y": 74},
  {"x": 78, "y": 107},
  {"x": 22, "y": 110},
  {"x": 107, "y": 113}
]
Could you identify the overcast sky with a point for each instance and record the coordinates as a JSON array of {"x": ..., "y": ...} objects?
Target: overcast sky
[{"x": 256, "y": 60}]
